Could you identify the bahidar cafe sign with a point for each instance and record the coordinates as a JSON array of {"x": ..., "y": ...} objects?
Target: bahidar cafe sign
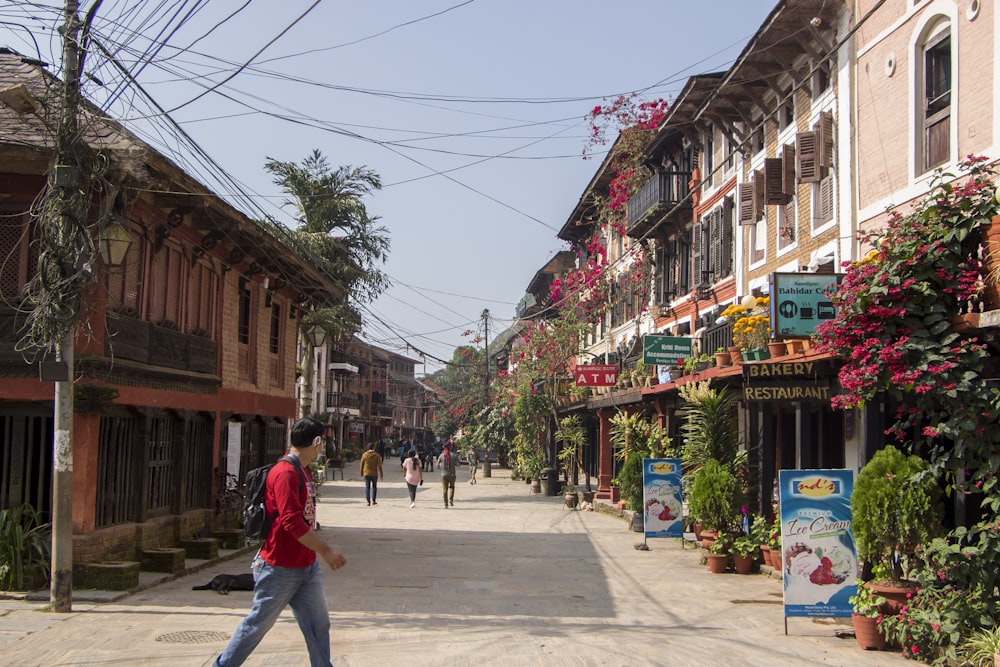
[{"x": 786, "y": 381}]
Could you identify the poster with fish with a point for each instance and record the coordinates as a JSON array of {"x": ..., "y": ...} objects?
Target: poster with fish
[
  {"x": 818, "y": 558},
  {"x": 661, "y": 498}
]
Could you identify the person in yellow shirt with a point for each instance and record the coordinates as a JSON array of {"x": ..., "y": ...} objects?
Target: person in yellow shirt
[{"x": 371, "y": 470}]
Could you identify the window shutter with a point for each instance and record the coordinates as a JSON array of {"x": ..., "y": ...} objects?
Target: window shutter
[
  {"x": 697, "y": 250},
  {"x": 825, "y": 142},
  {"x": 773, "y": 180},
  {"x": 714, "y": 265},
  {"x": 725, "y": 267},
  {"x": 806, "y": 145},
  {"x": 758, "y": 195},
  {"x": 670, "y": 269},
  {"x": 746, "y": 203},
  {"x": 826, "y": 199},
  {"x": 788, "y": 170}
]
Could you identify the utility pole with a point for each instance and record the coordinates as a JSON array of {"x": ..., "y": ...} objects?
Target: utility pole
[
  {"x": 487, "y": 465},
  {"x": 67, "y": 138}
]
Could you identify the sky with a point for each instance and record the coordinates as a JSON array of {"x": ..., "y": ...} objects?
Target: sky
[{"x": 473, "y": 112}]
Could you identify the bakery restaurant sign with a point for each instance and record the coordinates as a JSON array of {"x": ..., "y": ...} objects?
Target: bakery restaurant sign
[{"x": 788, "y": 381}]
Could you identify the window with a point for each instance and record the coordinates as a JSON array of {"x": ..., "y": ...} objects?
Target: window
[
  {"x": 786, "y": 225},
  {"x": 786, "y": 114},
  {"x": 203, "y": 290},
  {"x": 673, "y": 270},
  {"x": 820, "y": 80},
  {"x": 246, "y": 330},
  {"x": 935, "y": 98},
  {"x": 165, "y": 286},
  {"x": 708, "y": 160},
  {"x": 18, "y": 254},
  {"x": 757, "y": 241},
  {"x": 822, "y": 201}
]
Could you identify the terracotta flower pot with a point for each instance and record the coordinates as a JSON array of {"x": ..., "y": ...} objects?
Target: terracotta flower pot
[
  {"x": 743, "y": 564},
  {"x": 723, "y": 359},
  {"x": 717, "y": 564},
  {"x": 736, "y": 355},
  {"x": 866, "y": 633},
  {"x": 777, "y": 349},
  {"x": 896, "y": 595}
]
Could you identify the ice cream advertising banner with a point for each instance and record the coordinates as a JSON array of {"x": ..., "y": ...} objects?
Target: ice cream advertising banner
[
  {"x": 819, "y": 561},
  {"x": 661, "y": 496}
]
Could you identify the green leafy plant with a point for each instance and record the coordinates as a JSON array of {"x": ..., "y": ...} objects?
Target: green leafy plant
[
  {"x": 979, "y": 648},
  {"x": 715, "y": 497},
  {"x": 865, "y": 602},
  {"x": 25, "y": 548},
  {"x": 745, "y": 546},
  {"x": 634, "y": 437},
  {"x": 711, "y": 429},
  {"x": 957, "y": 594},
  {"x": 722, "y": 545},
  {"x": 896, "y": 508},
  {"x": 572, "y": 436}
]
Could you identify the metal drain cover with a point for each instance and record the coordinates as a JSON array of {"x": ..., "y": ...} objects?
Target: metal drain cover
[{"x": 193, "y": 637}]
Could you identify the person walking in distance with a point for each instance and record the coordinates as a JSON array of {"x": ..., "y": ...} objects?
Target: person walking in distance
[
  {"x": 473, "y": 457},
  {"x": 371, "y": 470},
  {"x": 446, "y": 464},
  {"x": 413, "y": 474},
  {"x": 285, "y": 569}
]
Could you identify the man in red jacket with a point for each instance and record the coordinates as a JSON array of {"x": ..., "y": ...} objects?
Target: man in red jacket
[{"x": 285, "y": 569}]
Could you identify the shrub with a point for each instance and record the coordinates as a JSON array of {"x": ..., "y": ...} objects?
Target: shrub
[
  {"x": 715, "y": 497},
  {"x": 25, "y": 544}
]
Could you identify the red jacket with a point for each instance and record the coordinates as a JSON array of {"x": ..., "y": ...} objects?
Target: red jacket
[{"x": 294, "y": 504}]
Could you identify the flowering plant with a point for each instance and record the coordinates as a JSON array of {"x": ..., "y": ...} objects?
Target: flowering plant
[{"x": 752, "y": 332}]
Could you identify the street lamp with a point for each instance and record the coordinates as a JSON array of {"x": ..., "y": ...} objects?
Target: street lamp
[
  {"x": 316, "y": 335},
  {"x": 113, "y": 244},
  {"x": 749, "y": 302}
]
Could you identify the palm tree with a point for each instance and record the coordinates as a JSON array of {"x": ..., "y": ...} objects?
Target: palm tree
[{"x": 333, "y": 221}]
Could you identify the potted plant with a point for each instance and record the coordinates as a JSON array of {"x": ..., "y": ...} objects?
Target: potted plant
[
  {"x": 759, "y": 530},
  {"x": 572, "y": 435},
  {"x": 715, "y": 497},
  {"x": 982, "y": 648},
  {"x": 703, "y": 362},
  {"x": 774, "y": 545},
  {"x": 896, "y": 509},
  {"x": 718, "y": 554},
  {"x": 723, "y": 357},
  {"x": 866, "y": 615},
  {"x": 744, "y": 550}
]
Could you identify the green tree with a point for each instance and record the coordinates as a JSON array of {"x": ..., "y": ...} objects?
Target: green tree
[{"x": 333, "y": 222}]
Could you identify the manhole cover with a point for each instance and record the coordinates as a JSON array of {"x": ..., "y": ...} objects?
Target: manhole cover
[{"x": 193, "y": 637}]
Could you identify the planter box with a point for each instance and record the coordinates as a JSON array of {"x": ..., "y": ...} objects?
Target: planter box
[
  {"x": 120, "y": 576},
  {"x": 206, "y": 548},
  {"x": 229, "y": 539},
  {"x": 163, "y": 560}
]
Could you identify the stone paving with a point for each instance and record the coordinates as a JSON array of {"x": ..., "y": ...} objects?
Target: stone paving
[{"x": 503, "y": 578}]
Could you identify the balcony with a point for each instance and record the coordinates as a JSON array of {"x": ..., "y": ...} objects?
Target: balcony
[
  {"x": 343, "y": 367},
  {"x": 344, "y": 404},
  {"x": 664, "y": 191},
  {"x": 138, "y": 340}
]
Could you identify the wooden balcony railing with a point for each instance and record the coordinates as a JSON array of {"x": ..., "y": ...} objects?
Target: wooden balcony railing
[{"x": 665, "y": 189}]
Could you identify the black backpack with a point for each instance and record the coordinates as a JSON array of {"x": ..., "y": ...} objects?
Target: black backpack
[{"x": 256, "y": 521}]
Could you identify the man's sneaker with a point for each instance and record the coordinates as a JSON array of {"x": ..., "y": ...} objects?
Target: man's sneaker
[{"x": 413, "y": 504}]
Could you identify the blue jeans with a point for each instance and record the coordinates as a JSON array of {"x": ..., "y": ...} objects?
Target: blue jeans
[
  {"x": 276, "y": 588},
  {"x": 371, "y": 488}
]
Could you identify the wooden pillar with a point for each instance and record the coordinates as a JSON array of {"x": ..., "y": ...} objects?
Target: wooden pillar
[{"x": 604, "y": 461}]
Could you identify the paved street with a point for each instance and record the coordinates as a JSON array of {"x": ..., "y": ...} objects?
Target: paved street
[{"x": 503, "y": 578}]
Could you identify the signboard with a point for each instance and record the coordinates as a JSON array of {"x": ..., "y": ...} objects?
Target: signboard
[
  {"x": 811, "y": 391},
  {"x": 596, "y": 375},
  {"x": 355, "y": 427},
  {"x": 799, "y": 302},
  {"x": 661, "y": 498},
  {"x": 665, "y": 350},
  {"x": 234, "y": 446},
  {"x": 819, "y": 559},
  {"x": 786, "y": 381}
]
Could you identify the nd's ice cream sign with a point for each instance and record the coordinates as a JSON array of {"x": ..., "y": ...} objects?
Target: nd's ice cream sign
[
  {"x": 596, "y": 375},
  {"x": 818, "y": 558}
]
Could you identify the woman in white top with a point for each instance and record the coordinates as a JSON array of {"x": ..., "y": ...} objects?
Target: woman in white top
[{"x": 413, "y": 473}]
